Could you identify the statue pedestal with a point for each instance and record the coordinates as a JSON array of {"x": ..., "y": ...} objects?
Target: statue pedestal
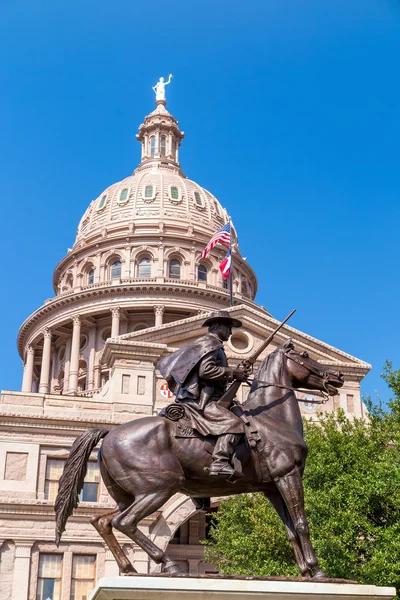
[{"x": 218, "y": 587}]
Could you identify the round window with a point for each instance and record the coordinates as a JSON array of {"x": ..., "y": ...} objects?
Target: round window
[
  {"x": 61, "y": 353},
  {"x": 241, "y": 342},
  {"x": 83, "y": 342}
]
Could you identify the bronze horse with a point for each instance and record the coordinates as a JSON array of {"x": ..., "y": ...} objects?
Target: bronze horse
[{"x": 143, "y": 464}]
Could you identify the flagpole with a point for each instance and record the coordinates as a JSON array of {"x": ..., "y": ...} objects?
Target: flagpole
[{"x": 231, "y": 270}]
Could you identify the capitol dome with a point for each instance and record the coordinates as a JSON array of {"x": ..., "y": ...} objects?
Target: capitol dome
[
  {"x": 136, "y": 263},
  {"x": 158, "y": 189}
]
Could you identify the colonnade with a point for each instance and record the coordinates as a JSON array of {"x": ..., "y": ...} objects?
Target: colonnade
[{"x": 72, "y": 353}]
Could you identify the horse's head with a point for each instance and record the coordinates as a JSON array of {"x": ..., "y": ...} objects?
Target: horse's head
[{"x": 308, "y": 373}]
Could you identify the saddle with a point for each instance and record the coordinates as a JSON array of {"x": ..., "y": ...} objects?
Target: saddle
[{"x": 176, "y": 412}]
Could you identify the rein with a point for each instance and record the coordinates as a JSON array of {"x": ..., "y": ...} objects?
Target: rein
[{"x": 325, "y": 395}]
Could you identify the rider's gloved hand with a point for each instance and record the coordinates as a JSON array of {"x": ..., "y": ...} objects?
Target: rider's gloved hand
[{"x": 240, "y": 374}]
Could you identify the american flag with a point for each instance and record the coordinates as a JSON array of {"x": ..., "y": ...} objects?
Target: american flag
[{"x": 223, "y": 235}]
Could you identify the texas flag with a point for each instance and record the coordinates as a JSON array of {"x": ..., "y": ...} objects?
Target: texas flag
[{"x": 225, "y": 266}]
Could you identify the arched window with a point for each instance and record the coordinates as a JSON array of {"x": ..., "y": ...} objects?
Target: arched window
[
  {"x": 163, "y": 145},
  {"x": 91, "y": 277},
  {"x": 116, "y": 269},
  {"x": 152, "y": 145},
  {"x": 123, "y": 195},
  {"x": 173, "y": 148},
  {"x": 202, "y": 273},
  {"x": 144, "y": 268},
  {"x": 225, "y": 283},
  {"x": 174, "y": 271},
  {"x": 197, "y": 197}
]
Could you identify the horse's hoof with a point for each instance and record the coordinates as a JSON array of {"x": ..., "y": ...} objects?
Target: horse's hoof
[
  {"x": 320, "y": 575},
  {"x": 172, "y": 568},
  {"x": 129, "y": 570}
]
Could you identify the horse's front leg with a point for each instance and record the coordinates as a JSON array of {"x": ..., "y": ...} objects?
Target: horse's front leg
[
  {"x": 291, "y": 489},
  {"x": 280, "y": 506}
]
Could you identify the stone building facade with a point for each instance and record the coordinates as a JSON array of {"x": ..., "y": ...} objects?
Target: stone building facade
[{"x": 132, "y": 288}]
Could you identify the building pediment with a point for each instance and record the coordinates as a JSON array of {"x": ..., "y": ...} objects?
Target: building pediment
[{"x": 257, "y": 326}]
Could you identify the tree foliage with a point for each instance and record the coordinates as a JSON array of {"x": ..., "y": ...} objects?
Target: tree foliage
[{"x": 352, "y": 499}]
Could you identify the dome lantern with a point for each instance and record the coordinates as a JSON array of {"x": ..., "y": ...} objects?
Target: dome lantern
[{"x": 160, "y": 135}]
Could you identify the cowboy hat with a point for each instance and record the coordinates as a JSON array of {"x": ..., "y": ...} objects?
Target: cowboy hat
[{"x": 222, "y": 316}]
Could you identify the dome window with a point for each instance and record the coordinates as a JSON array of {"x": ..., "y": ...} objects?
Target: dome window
[
  {"x": 163, "y": 145},
  {"x": 116, "y": 269},
  {"x": 216, "y": 206},
  {"x": 91, "y": 277},
  {"x": 201, "y": 273},
  {"x": 102, "y": 202},
  {"x": 152, "y": 145},
  {"x": 123, "y": 195},
  {"x": 144, "y": 268},
  {"x": 198, "y": 199},
  {"x": 174, "y": 193},
  {"x": 174, "y": 271},
  {"x": 148, "y": 192}
]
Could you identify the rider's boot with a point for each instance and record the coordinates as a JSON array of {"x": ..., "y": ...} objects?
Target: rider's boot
[{"x": 222, "y": 455}]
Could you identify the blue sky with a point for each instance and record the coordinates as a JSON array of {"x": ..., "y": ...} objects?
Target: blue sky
[{"x": 291, "y": 114}]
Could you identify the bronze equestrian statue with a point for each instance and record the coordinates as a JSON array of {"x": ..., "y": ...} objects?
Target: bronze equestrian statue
[
  {"x": 146, "y": 461},
  {"x": 198, "y": 375}
]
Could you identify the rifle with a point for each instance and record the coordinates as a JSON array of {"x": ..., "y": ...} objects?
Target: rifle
[{"x": 227, "y": 398}]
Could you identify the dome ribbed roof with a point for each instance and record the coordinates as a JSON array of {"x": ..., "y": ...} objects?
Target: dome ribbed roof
[{"x": 153, "y": 192}]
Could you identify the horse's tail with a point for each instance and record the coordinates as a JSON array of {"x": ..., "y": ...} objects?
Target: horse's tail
[{"x": 71, "y": 481}]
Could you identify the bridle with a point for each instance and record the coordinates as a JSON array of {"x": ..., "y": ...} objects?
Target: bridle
[{"x": 324, "y": 375}]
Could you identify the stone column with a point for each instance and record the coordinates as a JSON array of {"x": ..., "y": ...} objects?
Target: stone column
[
  {"x": 74, "y": 364},
  {"x": 127, "y": 265},
  {"x": 53, "y": 369},
  {"x": 116, "y": 313},
  {"x": 192, "y": 274},
  {"x": 20, "y": 584},
  {"x": 67, "y": 365},
  {"x": 92, "y": 355},
  {"x": 160, "y": 267},
  {"x": 28, "y": 369},
  {"x": 46, "y": 358},
  {"x": 97, "y": 377},
  {"x": 159, "y": 311},
  {"x": 97, "y": 268}
]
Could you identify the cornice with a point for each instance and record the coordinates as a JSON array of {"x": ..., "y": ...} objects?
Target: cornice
[{"x": 155, "y": 291}]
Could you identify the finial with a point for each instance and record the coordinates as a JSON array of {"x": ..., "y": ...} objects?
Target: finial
[{"x": 159, "y": 89}]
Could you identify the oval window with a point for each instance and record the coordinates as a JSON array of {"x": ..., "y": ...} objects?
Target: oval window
[
  {"x": 123, "y": 195},
  {"x": 103, "y": 201},
  {"x": 174, "y": 193},
  {"x": 148, "y": 191}
]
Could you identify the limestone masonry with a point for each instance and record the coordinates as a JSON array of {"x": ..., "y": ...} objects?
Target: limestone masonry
[{"x": 131, "y": 289}]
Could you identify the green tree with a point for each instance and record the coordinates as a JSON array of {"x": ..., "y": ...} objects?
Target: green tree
[{"x": 352, "y": 499}]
